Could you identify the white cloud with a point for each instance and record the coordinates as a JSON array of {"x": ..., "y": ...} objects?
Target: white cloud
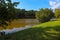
[{"x": 54, "y": 4}]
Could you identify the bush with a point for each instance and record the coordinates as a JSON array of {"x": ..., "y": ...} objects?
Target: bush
[{"x": 44, "y": 15}]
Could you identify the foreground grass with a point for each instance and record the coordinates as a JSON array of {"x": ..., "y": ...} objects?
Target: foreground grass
[{"x": 44, "y": 31}]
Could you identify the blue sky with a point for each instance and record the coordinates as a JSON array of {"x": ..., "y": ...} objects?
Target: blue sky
[{"x": 32, "y": 4}]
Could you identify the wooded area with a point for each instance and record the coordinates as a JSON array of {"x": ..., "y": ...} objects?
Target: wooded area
[{"x": 9, "y": 12}]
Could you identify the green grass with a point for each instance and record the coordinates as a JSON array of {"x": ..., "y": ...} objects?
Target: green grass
[
  {"x": 49, "y": 24},
  {"x": 44, "y": 31}
]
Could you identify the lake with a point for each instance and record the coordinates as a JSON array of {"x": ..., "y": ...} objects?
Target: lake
[{"x": 20, "y": 24}]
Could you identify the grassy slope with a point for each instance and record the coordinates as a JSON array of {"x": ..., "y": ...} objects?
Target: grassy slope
[
  {"x": 44, "y": 31},
  {"x": 47, "y": 24}
]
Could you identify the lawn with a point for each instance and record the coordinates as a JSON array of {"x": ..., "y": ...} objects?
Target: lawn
[
  {"x": 49, "y": 24},
  {"x": 45, "y": 31}
]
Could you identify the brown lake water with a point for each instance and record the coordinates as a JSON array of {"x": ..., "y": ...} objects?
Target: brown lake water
[{"x": 20, "y": 24}]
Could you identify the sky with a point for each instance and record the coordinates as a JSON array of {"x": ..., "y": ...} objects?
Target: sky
[{"x": 37, "y": 4}]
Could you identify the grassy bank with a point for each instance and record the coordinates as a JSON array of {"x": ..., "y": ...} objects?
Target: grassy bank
[{"x": 44, "y": 31}]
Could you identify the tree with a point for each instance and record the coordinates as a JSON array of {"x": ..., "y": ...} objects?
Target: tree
[
  {"x": 57, "y": 13},
  {"x": 44, "y": 15},
  {"x": 12, "y": 9},
  {"x": 7, "y": 10},
  {"x": 30, "y": 14},
  {"x": 22, "y": 13}
]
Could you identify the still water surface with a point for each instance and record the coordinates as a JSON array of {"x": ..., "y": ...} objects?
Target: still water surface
[
  {"x": 28, "y": 21},
  {"x": 15, "y": 29}
]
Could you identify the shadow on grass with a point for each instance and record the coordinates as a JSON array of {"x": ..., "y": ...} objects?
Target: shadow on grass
[{"x": 48, "y": 33}]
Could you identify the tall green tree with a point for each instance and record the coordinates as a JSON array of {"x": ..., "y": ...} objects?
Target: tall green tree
[
  {"x": 44, "y": 15},
  {"x": 57, "y": 13},
  {"x": 7, "y": 11}
]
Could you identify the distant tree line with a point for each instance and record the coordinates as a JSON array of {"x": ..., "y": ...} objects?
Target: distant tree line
[{"x": 22, "y": 13}]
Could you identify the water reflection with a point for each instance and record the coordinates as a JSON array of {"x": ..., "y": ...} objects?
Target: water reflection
[
  {"x": 21, "y": 22},
  {"x": 7, "y": 31}
]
